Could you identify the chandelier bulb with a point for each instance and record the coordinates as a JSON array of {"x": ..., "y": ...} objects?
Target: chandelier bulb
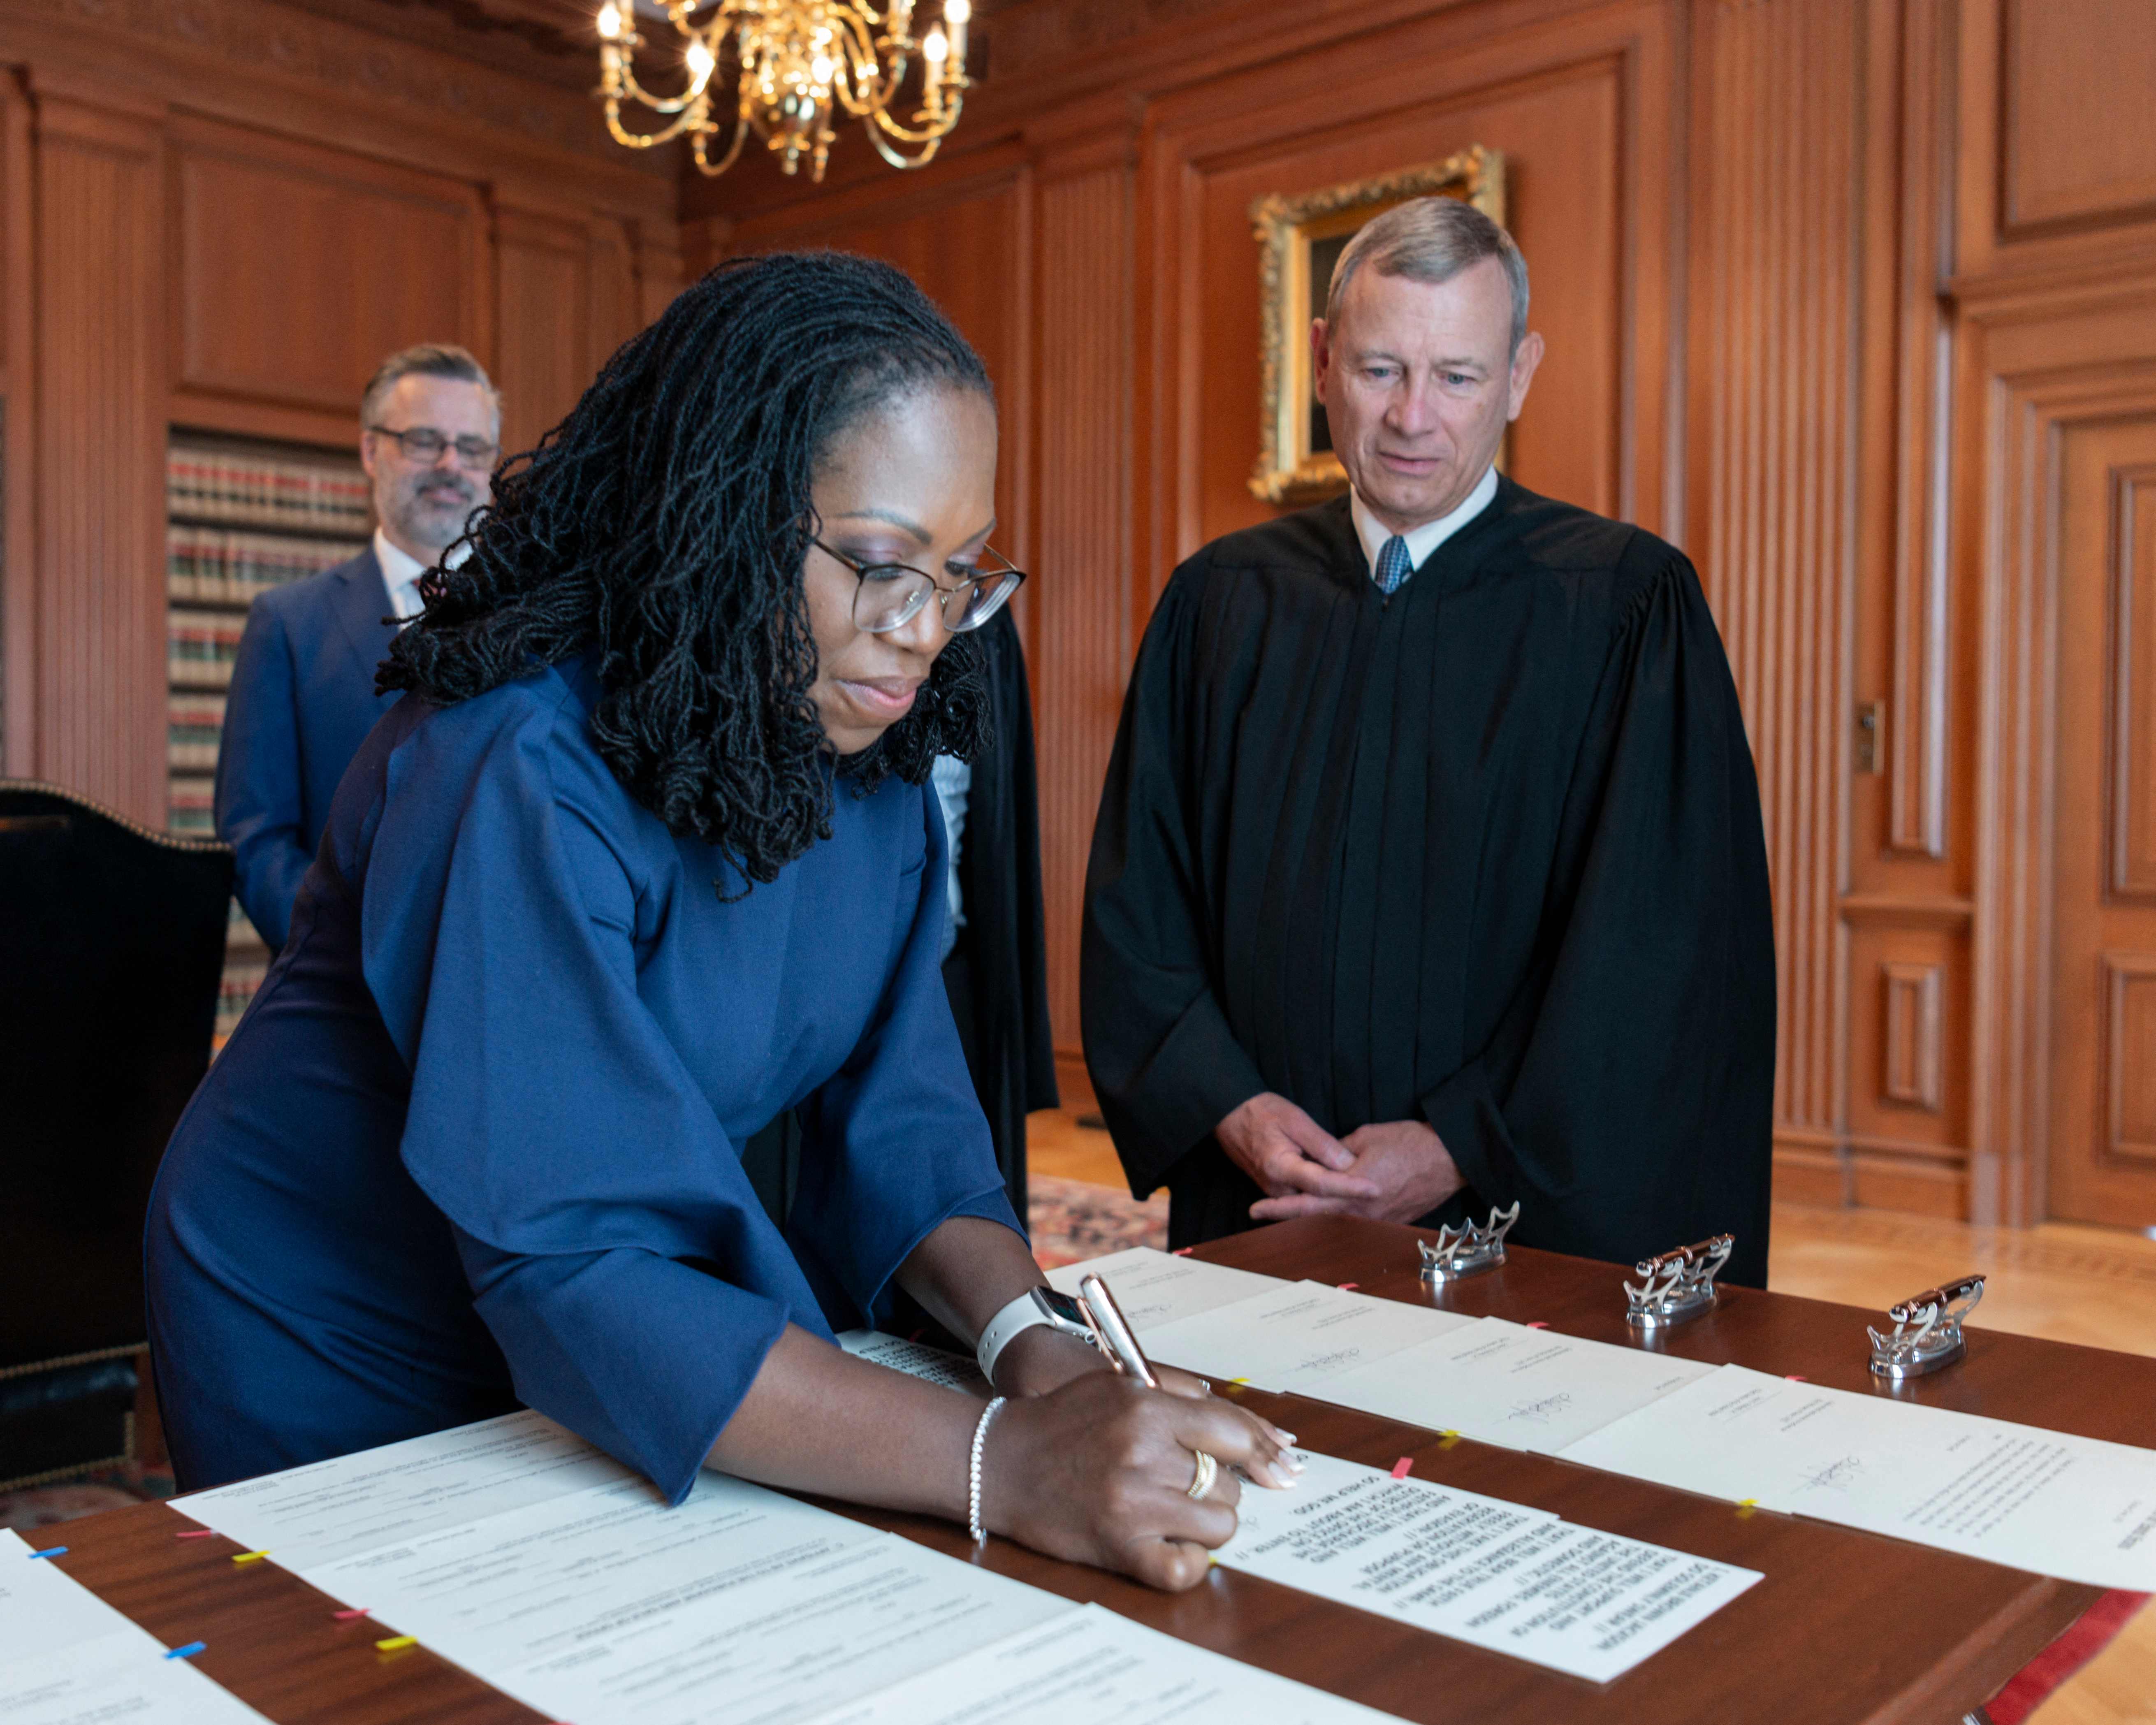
[
  {"x": 609, "y": 21},
  {"x": 955, "y": 14},
  {"x": 702, "y": 61},
  {"x": 935, "y": 47}
]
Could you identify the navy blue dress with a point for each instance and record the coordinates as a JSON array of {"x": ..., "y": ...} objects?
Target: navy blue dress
[{"x": 476, "y": 1142}]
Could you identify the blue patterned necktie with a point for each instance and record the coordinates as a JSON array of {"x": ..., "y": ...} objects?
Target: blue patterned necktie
[{"x": 1392, "y": 565}]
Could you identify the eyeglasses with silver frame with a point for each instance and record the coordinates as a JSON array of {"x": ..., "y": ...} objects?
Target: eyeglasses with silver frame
[{"x": 889, "y": 596}]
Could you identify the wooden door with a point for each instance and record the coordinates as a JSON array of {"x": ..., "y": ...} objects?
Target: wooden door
[{"x": 2103, "y": 1068}]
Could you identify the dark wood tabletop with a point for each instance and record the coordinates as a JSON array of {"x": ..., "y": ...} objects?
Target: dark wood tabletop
[{"x": 1846, "y": 1627}]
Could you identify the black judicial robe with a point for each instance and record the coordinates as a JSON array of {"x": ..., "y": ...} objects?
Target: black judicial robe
[
  {"x": 1486, "y": 855},
  {"x": 997, "y": 975}
]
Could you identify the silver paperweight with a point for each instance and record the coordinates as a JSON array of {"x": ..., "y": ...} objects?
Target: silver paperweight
[
  {"x": 1927, "y": 1334},
  {"x": 1679, "y": 1285},
  {"x": 1459, "y": 1252}
]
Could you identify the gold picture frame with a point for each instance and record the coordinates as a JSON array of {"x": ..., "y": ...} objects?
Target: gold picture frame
[{"x": 1297, "y": 237}]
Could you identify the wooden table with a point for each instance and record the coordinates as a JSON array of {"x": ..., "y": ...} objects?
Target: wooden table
[{"x": 1846, "y": 1626}]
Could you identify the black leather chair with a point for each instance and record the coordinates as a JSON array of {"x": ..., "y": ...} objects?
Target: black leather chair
[{"x": 112, "y": 947}]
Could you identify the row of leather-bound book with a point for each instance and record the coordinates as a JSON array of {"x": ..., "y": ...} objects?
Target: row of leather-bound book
[{"x": 240, "y": 519}]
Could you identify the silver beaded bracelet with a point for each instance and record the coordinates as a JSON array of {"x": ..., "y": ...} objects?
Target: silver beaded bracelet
[{"x": 973, "y": 1473}]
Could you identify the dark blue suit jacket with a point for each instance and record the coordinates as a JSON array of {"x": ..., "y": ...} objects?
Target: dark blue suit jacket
[{"x": 302, "y": 701}]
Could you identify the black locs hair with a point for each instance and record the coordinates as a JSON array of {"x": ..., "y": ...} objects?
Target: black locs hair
[{"x": 665, "y": 521}]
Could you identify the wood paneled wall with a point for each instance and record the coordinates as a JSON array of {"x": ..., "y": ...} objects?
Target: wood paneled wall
[
  {"x": 223, "y": 216},
  {"x": 1825, "y": 283}
]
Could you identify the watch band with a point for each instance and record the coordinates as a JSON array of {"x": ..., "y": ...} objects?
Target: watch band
[{"x": 1020, "y": 1315}]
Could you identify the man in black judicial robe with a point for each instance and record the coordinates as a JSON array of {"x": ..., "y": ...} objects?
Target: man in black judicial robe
[{"x": 1428, "y": 874}]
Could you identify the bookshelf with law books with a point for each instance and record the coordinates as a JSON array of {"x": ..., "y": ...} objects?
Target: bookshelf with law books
[{"x": 242, "y": 515}]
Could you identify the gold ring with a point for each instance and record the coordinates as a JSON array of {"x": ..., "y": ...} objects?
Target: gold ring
[{"x": 1201, "y": 1482}]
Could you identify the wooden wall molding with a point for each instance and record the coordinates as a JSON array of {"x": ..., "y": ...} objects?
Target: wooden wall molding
[
  {"x": 1137, "y": 51},
  {"x": 1914, "y": 1064},
  {"x": 2060, "y": 65},
  {"x": 307, "y": 335},
  {"x": 1086, "y": 241},
  {"x": 662, "y": 269},
  {"x": 2035, "y": 73},
  {"x": 1910, "y": 910},
  {"x": 2131, "y": 743},
  {"x": 99, "y": 611},
  {"x": 2129, "y": 1082},
  {"x": 1787, "y": 418},
  {"x": 545, "y": 272},
  {"x": 2029, "y": 378},
  {"x": 258, "y": 63},
  {"x": 1917, "y": 718},
  {"x": 18, "y": 372},
  {"x": 537, "y": 41}
]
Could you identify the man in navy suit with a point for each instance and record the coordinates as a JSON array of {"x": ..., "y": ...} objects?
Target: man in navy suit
[{"x": 302, "y": 698}]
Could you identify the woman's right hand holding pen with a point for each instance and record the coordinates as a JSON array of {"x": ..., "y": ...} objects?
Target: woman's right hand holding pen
[{"x": 1100, "y": 1471}]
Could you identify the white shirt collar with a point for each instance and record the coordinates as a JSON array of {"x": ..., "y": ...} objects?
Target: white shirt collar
[
  {"x": 1425, "y": 539},
  {"x": 401, "y": 574}
]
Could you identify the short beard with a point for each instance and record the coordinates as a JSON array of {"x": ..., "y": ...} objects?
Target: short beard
[{"x": 417, "y": 522}]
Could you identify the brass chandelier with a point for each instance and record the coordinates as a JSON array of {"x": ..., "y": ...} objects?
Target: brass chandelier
[{"x": 792, "y": 67}]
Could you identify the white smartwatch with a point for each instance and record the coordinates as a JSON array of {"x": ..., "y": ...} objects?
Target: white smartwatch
[{"x": 1035, "y": 1306}]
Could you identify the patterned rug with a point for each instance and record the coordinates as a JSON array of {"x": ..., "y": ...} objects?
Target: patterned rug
[
  {"x": 110, "y": 1488},
  {"x": 1072, "y": 1220}
]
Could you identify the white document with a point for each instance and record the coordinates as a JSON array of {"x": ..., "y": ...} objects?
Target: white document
[
  {"x": 1499, "y": 1575},
  {"x": 1089, "y": 1666},
  {"x": 314, "y": 1515},
  {"x": 113, "y": 1677},
  {"x": 1296, "y": 1336},
  {"x": 1156, "y": 1288},
  {"x": 44, "y": 1610},
  {"x": 916, "y": 1359},
  {"x": 1501, "y": 1382},
  {"x": 2060, "y": 1505},
  {"x": 68, "y": 1658},
  {"x": 740, "y": 1605}
]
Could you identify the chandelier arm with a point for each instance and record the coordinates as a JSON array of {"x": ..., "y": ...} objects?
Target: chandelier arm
[
  {"x": 934, "y": 132},
  {"x": 704, "y": 163},
  {"x": 657, "y": 104},
  {"x": 905, "y": 163},
  {"x": 641, "y": 139},
  {"x": 858, "y": 57}
]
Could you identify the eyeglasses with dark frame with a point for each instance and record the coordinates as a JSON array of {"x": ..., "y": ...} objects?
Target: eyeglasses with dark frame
[
  {"x": 889, "y": 596},
  {"x": 424, "y": 444}
]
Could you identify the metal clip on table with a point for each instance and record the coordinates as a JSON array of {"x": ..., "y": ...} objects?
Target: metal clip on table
[
  {"x": 1936, "y": 1341},
  {"x": 1466, "y": 1250},
  {"x": 1680, "y": 1285}
]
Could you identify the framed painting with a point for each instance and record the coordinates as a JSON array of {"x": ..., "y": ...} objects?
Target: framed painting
[{"x": 1300, "y": 240}]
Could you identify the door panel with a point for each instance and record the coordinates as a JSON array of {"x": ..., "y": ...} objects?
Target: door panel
[{"x": 2103, "y": 1073}]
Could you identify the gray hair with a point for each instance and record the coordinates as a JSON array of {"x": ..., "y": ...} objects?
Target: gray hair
[
  {"x": 1432, "y": 239},
  {"x": 430, "y": 359}
]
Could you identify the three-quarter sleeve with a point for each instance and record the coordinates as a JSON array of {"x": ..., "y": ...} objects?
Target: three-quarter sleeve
[
  {"x": 614, "y": 1247},
  {"x": 1626, "y": 1095},
  {"x": 1166, "y": 1065}
]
